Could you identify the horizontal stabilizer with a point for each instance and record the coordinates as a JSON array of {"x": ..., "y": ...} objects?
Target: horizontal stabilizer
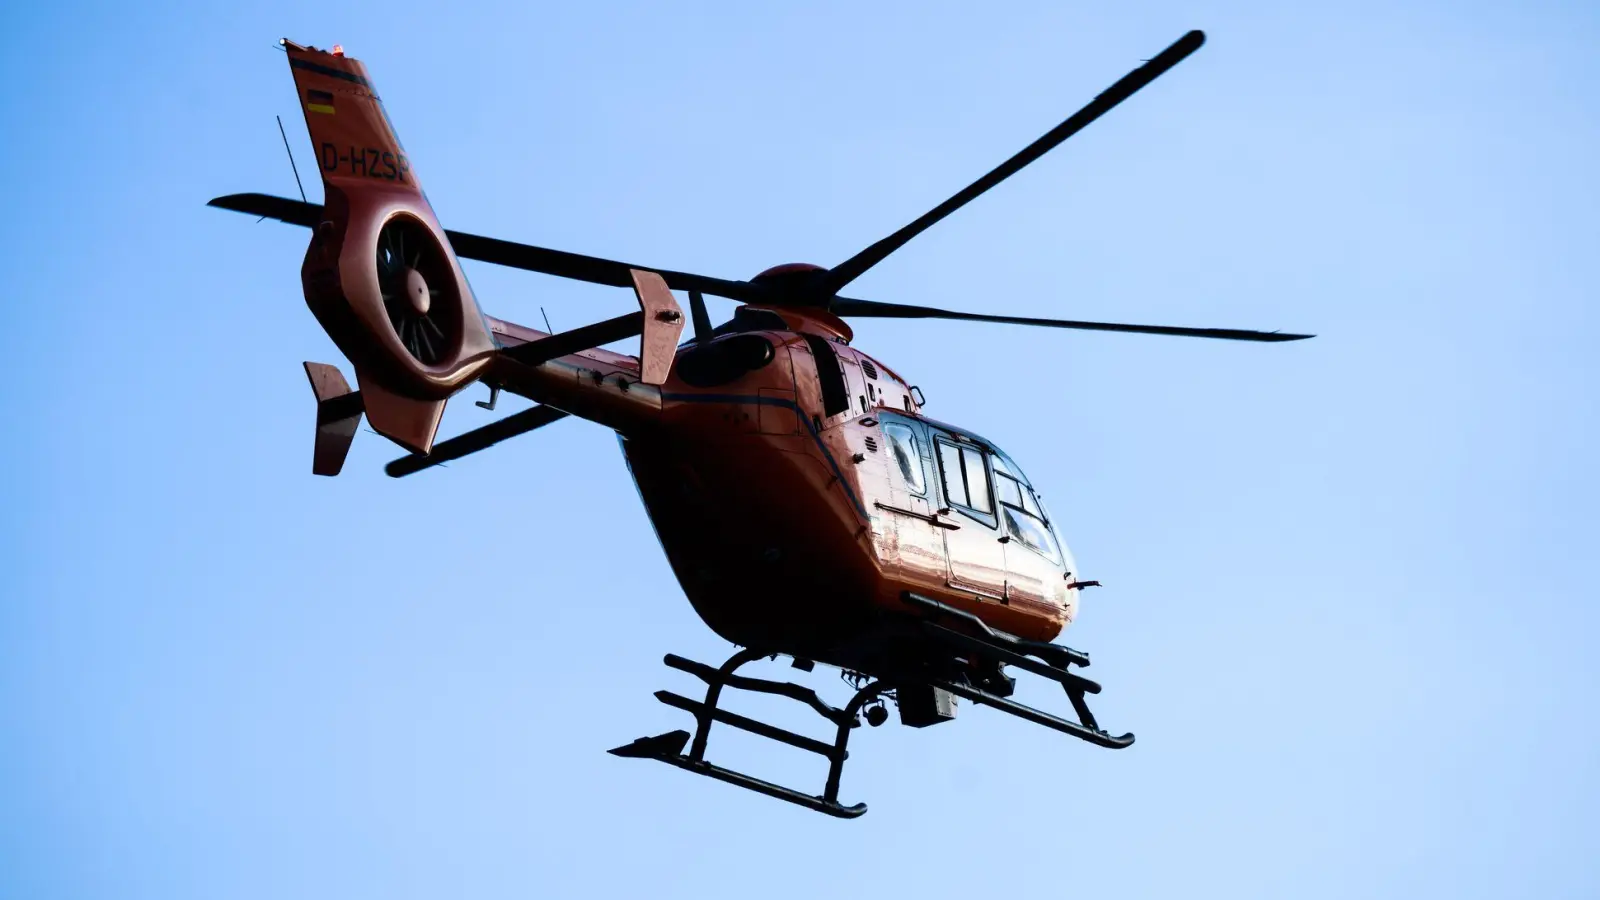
[
  {"x": 566, "y": 343},
  {"x": 659, "y": 323}
]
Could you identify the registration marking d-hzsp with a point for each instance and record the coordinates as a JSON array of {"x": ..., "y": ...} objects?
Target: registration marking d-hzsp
[{"x": 371, "y": 162}]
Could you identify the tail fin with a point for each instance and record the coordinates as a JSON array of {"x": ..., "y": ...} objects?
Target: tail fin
[
  {"x": 354, "y": 140},
  {"x": 380, "y": 274}
]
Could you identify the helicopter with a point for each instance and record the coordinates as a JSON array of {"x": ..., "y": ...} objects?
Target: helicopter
[{"x": 807, "y": 506}]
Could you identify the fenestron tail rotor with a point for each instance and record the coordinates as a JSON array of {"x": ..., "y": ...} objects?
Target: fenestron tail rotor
[{"x": 425, "y": 327}]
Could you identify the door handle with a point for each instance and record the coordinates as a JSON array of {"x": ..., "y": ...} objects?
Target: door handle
[{"x": 933, "y": 519}]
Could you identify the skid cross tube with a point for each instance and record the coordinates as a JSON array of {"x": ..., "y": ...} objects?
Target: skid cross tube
[
  {"x": 718, "y": 677},
  {"x": 772, "y": 732},
  {"x": 668, "y": 748}
]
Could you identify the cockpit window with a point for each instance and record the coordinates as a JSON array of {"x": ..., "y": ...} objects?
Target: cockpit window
[
  {"x": 1004, "y": 466},
  {"x": 1024, "y": 518},
  {"x": 1007, "y": 488},
  {"x": 1031, "y": 531},
  {"x": 1031, "y": 504},
  {"x": 1013, "y": 488}
]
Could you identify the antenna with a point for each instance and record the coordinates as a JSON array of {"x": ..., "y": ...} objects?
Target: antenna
[
  {"x": 546, "y": 321},
  {"x": 294, "y": 168}
]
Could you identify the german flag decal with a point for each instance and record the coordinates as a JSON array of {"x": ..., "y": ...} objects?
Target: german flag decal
[{"x": 319, "y": 102}]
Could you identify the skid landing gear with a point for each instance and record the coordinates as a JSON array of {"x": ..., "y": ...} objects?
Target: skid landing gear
[
  {"x": 959, "y": 656},
  {"x": 668, "y": 748}
]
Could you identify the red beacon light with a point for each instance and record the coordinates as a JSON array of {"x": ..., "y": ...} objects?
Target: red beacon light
[{"x": 338, "y": 49}]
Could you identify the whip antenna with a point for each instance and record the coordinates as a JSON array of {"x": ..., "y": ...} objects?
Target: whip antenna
[{"x": 292, "y": 167}]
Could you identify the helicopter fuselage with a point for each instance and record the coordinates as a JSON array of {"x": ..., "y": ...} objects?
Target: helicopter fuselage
[
  {"x": 799, "y": 493},
  {"x": 805, "y": 503}
]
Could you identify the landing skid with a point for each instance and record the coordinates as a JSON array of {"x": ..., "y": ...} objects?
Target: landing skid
[
  {"x": 668, "y": 748},
  {"x": 970, "y": 667}
]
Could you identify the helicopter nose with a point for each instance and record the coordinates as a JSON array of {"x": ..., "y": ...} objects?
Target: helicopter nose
[{"x": 1068, "y": 594}]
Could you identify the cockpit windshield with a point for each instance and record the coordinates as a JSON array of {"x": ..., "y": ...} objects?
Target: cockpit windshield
[
  {"x": 1006, "y": 465},
  {"x": 1021, "y": 510}
]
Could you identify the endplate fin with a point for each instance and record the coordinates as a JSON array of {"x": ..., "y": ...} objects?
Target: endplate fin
[{"x": 338, "y": 414}]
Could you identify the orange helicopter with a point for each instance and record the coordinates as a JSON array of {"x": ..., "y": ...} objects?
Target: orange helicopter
[{"x": 807, "y": 506}]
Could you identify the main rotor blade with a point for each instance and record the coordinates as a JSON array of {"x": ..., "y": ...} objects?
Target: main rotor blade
[
  {"x": 871, "y": 309},
  {"x": 560, "y": 263},
  {"x": 476, "y": 439},
  {"x": 852, "y": 268},
  {"x": 700, "y": 317}
]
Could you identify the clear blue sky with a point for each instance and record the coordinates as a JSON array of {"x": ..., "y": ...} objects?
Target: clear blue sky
[{"x": 1349, "y": 609}]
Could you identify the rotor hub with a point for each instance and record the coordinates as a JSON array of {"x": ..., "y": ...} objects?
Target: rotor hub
[
  {"x": 416, "y": 291},
  {"x": 792, "y": 284}
]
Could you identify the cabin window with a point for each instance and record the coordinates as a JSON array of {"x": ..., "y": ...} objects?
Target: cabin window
[
  {"x": 966, "y": 478},
  {"x": 903, "y": 446}
]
